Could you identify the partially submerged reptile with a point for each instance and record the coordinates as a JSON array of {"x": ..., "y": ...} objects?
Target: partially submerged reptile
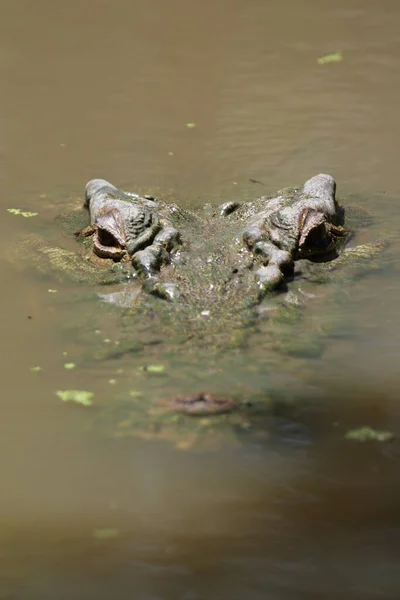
[
  {"x": 215, "y": 259},
  {"x": 217, "y": 265},
  {"x": 267, "y": 235}
]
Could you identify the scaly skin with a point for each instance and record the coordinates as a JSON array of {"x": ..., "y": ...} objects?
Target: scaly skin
[
  {"x": 295, "y": 225},
  {"x": 292, "y": 226},
  {"x": 125, "y": 223},
  {"x": 230, "y": 258}
]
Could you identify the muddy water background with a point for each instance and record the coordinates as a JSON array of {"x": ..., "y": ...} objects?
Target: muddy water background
[{"x": 105, "y": 89}]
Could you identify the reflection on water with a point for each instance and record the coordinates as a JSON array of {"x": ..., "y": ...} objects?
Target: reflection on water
[{"x": 292, "y": 510}]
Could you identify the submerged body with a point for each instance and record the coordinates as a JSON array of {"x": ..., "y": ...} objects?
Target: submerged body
[{"x": 219, "y": 266}]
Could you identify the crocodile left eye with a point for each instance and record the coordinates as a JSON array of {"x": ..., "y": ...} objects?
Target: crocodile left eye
[{"x": 107, "y": 239}]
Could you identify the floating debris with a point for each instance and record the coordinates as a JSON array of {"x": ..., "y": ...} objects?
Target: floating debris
[
  {"x": 330, "y": 58},
  {"x": 135, "y": 394},
  {"x": 35, "y": 369},
  {"x": 367, "y": 434},
  {"x": 69, "y": 366},
  {"x": 18, "y": 211},
  {"x": 191, "y": 125},
  {"x": 78, "y": 396},
  {"x": 153, "y": 368}
]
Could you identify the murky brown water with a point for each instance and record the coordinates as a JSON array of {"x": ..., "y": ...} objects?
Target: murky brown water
[{"x": 105, "y": 89}]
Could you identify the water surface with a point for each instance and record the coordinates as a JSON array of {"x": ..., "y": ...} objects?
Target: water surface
[{"x": 106, "y": 89}]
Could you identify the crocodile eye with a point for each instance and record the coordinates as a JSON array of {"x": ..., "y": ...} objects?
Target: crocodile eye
[
  {"x": 110, "y": 229},
  {"x": 107, "y": 239},
  {"x": 316, "y": 235}
]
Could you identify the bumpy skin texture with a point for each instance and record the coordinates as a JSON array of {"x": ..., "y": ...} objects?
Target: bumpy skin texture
[
  {"x": 231, "y": 257},
  {"x": 122, "y": 223},
  {"x": 295, "y": 225},
  {"x": 128, "y": 225}
]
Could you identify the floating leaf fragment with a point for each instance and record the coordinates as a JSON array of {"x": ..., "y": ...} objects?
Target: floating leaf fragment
[
  {"x": 36, "y": 369},
  {"x": 52, "y": 291},
  {"x": 79, "y": 396},
  {"x": 18, "y": 211},
  {"x": 108, "y": 533},
  {"x": 154, "y": 368},
  {"x": 330, "y": 58},
  {"x": 191, "y": 125},
  {"x": 135, "y": 394},
  {"x": 69, "y": 366},
  {"x": 367, "y": 434}
]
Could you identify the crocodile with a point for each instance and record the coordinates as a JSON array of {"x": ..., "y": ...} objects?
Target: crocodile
[
  {"x": 217, "y": 263},
  {"x": 251, "y": 248},
  {"x": 233, "y": 276},
  {"x": 225, "y": 269},
  {"x": 276, "y": 232}
]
